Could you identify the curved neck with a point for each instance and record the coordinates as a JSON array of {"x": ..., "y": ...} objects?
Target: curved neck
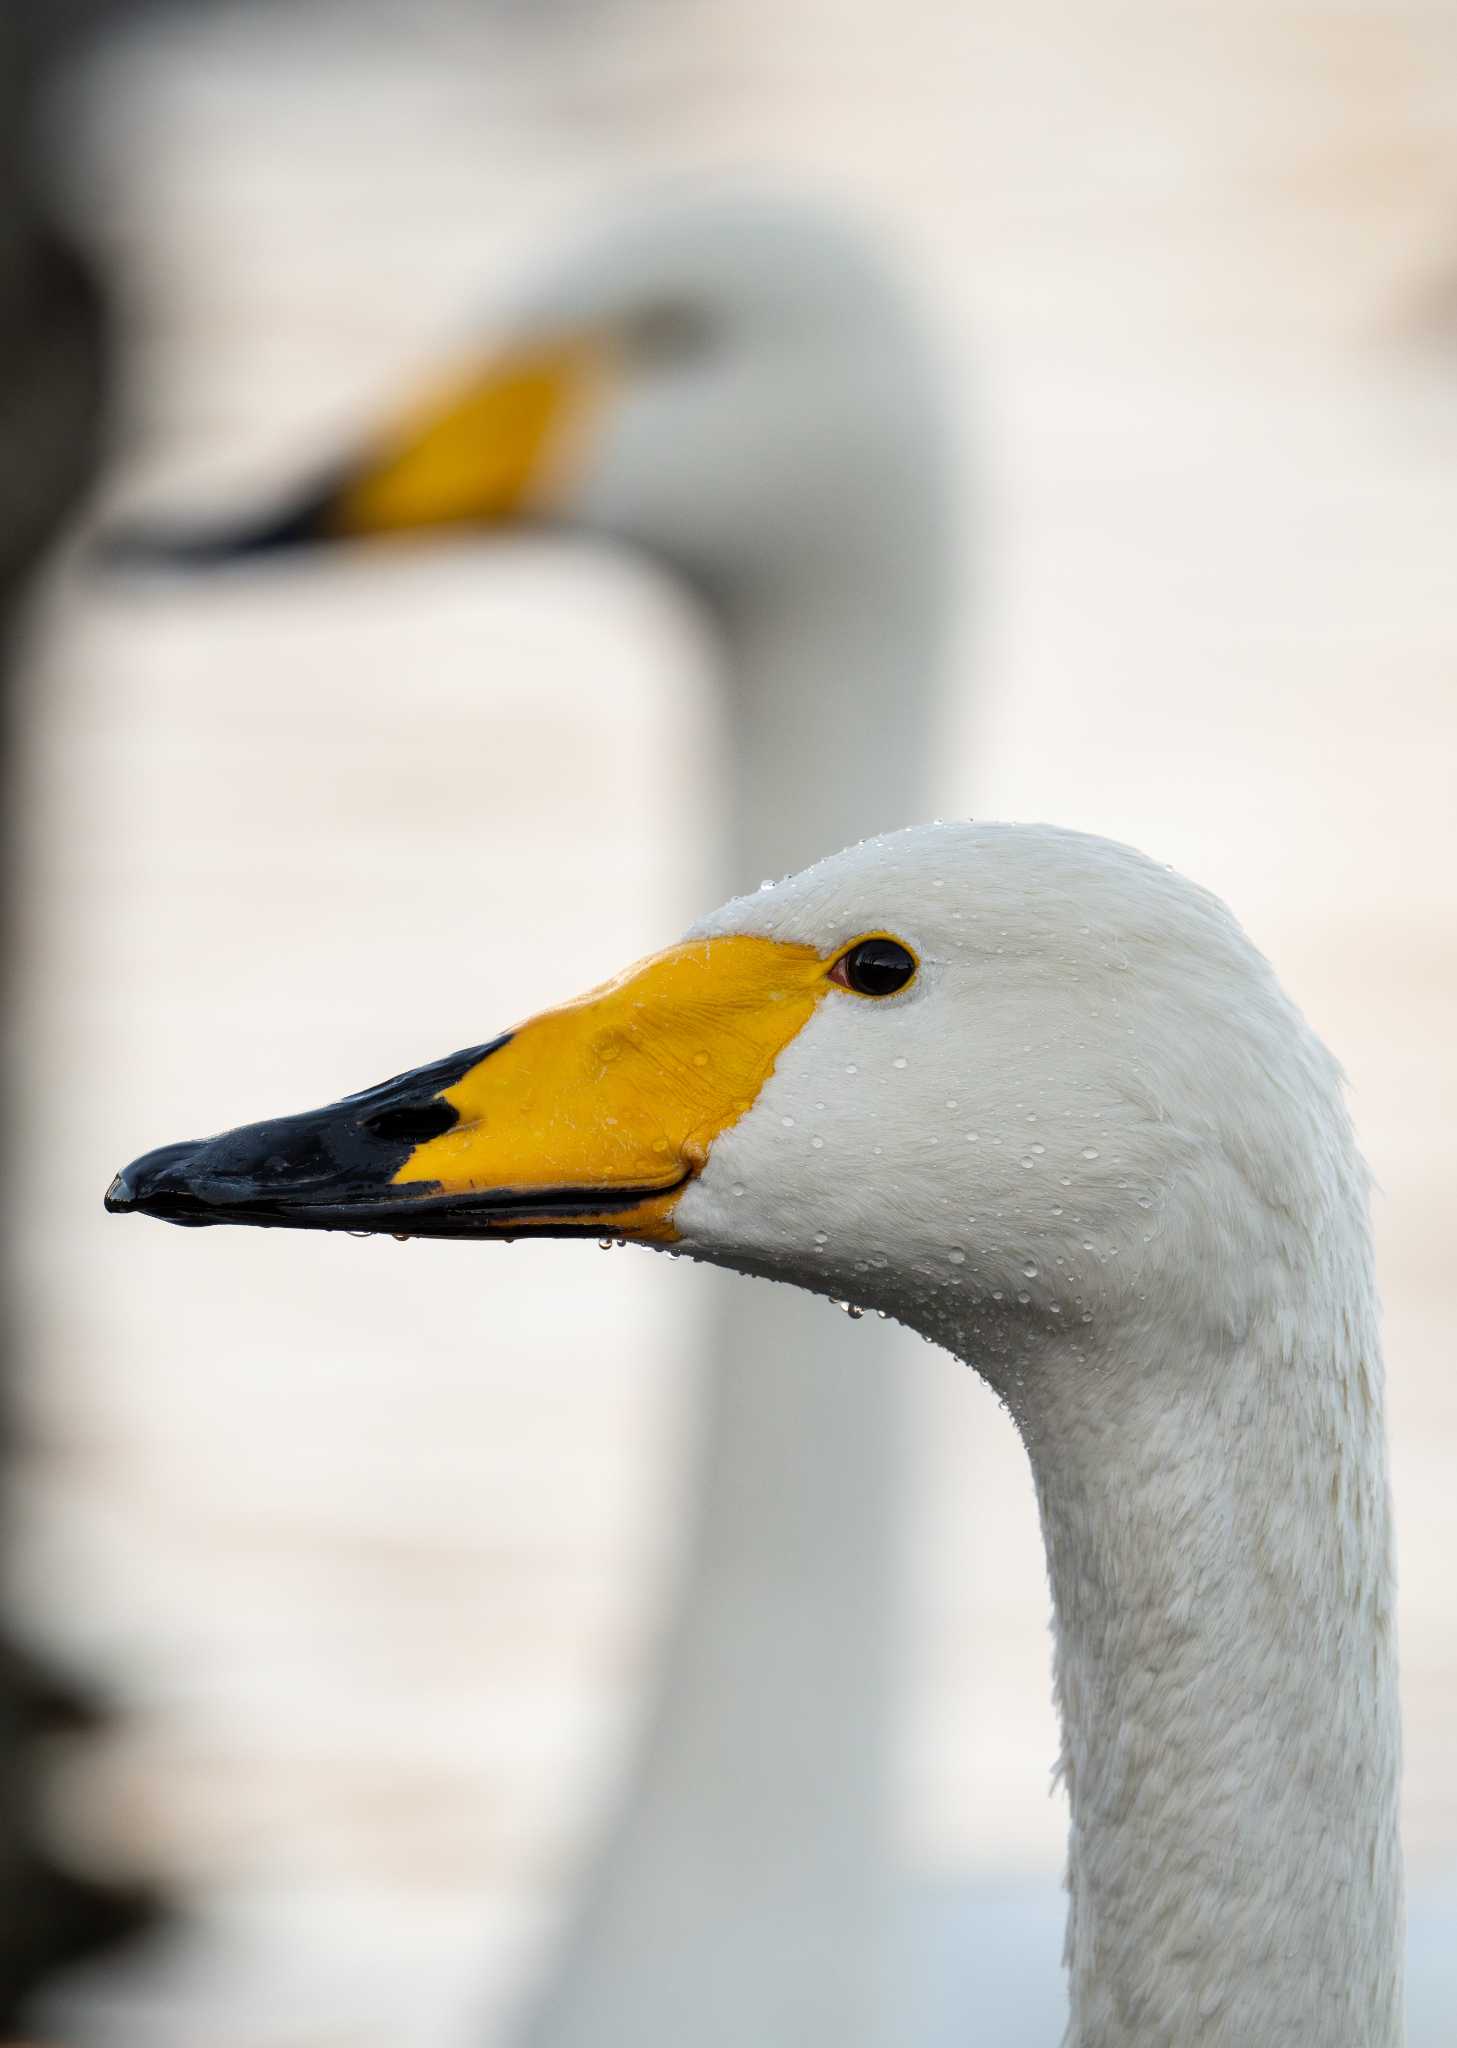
[
  {"x": 836, "y": 676},
  {"x": 1218, "y": 1543}
]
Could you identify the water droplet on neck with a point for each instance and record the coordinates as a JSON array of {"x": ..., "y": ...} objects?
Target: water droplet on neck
[
  {"x": 956, "y": 1255},
  {"x": 1030, "y": 1270},
  {"x": 898, "y": 1062},
  {"x": 1090, "y": 1151}
]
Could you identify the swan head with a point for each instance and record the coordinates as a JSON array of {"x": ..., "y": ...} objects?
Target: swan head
[
  {"x": 730, "y": 384},
  {"x": 1005, "y": 1083}
]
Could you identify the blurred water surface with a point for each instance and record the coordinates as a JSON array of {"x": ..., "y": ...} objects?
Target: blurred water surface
[{"x": 374, "y": 1539}]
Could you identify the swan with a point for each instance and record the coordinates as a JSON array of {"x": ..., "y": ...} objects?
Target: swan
[
  {"x": 1038, "y": 1098},
  {"x": 730, "y": 385}
]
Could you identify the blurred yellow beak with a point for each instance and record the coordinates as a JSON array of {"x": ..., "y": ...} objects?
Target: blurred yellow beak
[
  {"x": 492, "y": 447},
  {"x": 487, "y": 448}
]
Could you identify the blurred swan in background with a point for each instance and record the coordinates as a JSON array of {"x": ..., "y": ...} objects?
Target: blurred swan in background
[
  {"x": 735, "y": 387},
  {"x": 1145, "y": 1225}
]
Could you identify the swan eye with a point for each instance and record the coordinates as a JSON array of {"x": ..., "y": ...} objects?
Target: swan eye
[
  {"x": 668, "y": 332},
  {"x": 875, "y": 967}
]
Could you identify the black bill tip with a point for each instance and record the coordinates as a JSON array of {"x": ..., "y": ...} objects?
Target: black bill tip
[
  {"x": 330, "y": 1169},
  {"x": 158, "y": 1184},
  {"x": 306, "y": 523}
]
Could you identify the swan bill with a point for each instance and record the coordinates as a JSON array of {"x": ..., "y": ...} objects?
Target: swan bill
[
  {"x": 589, "y": 1120},
  {"x": 489, "y": 448}
]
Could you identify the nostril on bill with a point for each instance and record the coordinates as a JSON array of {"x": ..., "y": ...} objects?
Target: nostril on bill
[{"x": 411, "y": 1123}]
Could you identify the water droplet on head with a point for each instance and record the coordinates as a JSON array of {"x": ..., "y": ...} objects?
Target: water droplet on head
[
  {"x": 818, "y": 1144},
  {"x": 898, "y": 1063},
  {"x": 1029, "y": 1162},
  {"x": 788, "y": 1122},
  {"x": 852, "y": 1068},
  {"x": 1090, "y": 1151},
  {"x": 700, "y": 1058},
  {"x": 1030, "y": 1270},
  {"x": 739, "y": 1188},
  {"x": 956, "y": 1255}
]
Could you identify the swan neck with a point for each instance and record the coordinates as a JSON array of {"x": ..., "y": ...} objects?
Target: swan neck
[
  {"x": 1219, "y": 1548},
  {"x": 836, "y": 680}
]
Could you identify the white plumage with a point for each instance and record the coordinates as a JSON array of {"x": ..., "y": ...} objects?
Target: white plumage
[
  {"x": 1095, "y": 1151},
  {"x": 1040, "y": 1100}
]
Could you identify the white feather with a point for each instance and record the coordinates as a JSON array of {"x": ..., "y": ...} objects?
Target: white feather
[{"x": 1096, "y": 1152}]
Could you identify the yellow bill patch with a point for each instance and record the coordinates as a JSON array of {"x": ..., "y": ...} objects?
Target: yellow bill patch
[
  {"x": 625, "y": 1090},
  {"x": 480, "y": 451}
]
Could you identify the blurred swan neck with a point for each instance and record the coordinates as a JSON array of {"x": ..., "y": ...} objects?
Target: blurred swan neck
[
  {"x": 1218, "y": 1541},
  {"x": 835, "y": 686}
]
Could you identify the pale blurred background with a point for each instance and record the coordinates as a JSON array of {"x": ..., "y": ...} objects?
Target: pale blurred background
[{"x": 374, "y": 1543}]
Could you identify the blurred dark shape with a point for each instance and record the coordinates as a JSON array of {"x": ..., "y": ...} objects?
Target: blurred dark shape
[
  {"x": 53, "y": 392},
  {"x": 163, "y": 547}
]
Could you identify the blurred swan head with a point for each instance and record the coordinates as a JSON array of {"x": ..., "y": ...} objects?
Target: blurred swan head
[{"x": 735, "y": 386}]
